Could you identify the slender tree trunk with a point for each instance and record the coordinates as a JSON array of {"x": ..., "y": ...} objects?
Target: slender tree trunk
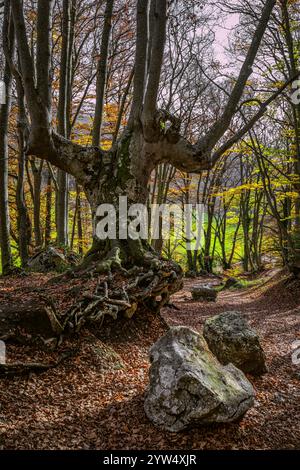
[
  {"x": 23, "y": 222},
  {"x": 24, "y": 225},
  {"x": 163, "y": 176},
  {"x": 79, "y": 223},
  {"x": 6, "y": 257},
  {"x": 37, "y": 184},
  {"x": 190, "y": 261},
  {"x": 207, "y": 253},
  {"x": 48, "y": 209},
  {"x": 63, "y": 125},
  {"x": 73, "y": 226},
  {"x": 62, "y": 208}
]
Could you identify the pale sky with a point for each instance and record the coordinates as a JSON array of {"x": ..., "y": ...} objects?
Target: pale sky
[{"x": 222, "y": 33}]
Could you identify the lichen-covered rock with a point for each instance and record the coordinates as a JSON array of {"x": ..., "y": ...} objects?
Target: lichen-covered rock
[
  {"x": 48, "y": 259},
  {"x": 232, "y": 340},
  {"x": 204, "y": 293},
  {"x": 191, "y": 274},
  {"x": 189, "y": 387},
  {"x": 232, "y": 282}
]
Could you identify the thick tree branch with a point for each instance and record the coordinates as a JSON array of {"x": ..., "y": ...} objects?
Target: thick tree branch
[
  {"x": 64, "y": 72},
  {"x": 140, "y": 59},
  {"x": 40, "y": 132},
  {"x": 43, "y": 53},
  {"x": 152, "y": 9},
  {"x": 158, "y": 39},
  {"x": 27, "y": 67},
  {"x": 102, "y": 72}
]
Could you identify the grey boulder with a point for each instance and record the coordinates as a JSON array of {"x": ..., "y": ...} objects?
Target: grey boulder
[
  {"x": 232, "y": 282},
  {"x": 189, "y": 387},
  {"x": 231, "y": 340},
  {"x": 204, "y": 293},
  {"x": 48, "y": 259}
]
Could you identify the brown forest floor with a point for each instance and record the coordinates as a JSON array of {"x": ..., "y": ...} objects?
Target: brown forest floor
[{"x": 94, "y": 400}]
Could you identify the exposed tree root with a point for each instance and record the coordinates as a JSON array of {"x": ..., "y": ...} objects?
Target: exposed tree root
[
  {"x": 21, "y": 368},
  {"x": 121, "y": 292},
  {"x": 118, "y": 284}
]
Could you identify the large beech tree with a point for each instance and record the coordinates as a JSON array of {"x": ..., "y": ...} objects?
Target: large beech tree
[{"x": 152, "y": 136}]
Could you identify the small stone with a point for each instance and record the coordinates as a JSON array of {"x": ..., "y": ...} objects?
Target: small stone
[
  {"x": 204, "y": 293},
  {"x": 232, "y": 282}
]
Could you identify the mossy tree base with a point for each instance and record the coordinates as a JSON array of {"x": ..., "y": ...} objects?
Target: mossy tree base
[{"x": 130, "y": 275}]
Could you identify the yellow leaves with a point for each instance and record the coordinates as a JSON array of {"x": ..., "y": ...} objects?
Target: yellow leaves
[
  {"x": 227, "y": 152},
  {"x": 83, "y": 139},
  {"x": 294, "y": 178},
  {"x": 111, "y": 109},
  {"x": 288, "y": 133},
  {"x": 293, "y": 195},
  {"x": 233, "y": 221},
  {"x": 106, "y": 144},
  {"x": 293, "y": 2},
  {"x": 251, "y": 103},
  {"x": 278, "y": 84},
  {"x": 237, "y": 190}
]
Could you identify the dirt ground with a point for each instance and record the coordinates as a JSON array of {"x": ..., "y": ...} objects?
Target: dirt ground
[{"x": 94, "y": 400}]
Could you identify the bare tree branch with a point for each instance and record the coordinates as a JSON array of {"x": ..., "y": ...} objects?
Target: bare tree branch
[
  {"x": 262, "y": 109},
  {"x": 122, "y": 106},
  {"x": 219, "y": 128}
]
